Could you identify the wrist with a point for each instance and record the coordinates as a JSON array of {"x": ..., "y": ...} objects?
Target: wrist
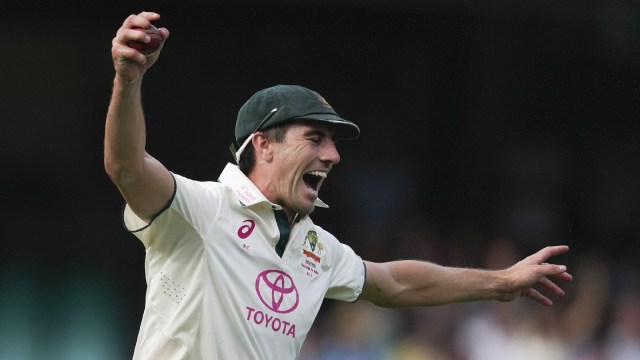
[
  {"x": 127, "y": 82},
  {"x": 502, "y": 287}
]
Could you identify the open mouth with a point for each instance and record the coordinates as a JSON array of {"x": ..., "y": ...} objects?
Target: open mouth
[{"x": 313, "y": 179}]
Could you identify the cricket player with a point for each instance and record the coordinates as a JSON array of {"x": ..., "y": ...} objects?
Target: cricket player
[{"x": 236, "y": 268}]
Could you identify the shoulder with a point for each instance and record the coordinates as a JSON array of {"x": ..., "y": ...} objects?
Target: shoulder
[
  {"x": 319, "y": 232},
  {"x": 199, "y": 190},
  {"x": 327, "y": 241},
  {"x": 202, "y": 200}
]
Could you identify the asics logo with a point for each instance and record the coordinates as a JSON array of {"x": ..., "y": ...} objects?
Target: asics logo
[{"x": 245, "y": 230}]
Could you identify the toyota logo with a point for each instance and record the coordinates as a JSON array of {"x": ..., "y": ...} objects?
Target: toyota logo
[{"x": 277, "y": 291}]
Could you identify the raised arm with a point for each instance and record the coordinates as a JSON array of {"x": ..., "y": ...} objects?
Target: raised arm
[
  {"x": 144, "y": 182},
  {"x": 400, "y": 284}
]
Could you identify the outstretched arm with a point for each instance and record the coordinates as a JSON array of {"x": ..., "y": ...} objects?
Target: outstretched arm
[
  {"x": 400, "y": 284},
  {"x": 144, "y": 182}
]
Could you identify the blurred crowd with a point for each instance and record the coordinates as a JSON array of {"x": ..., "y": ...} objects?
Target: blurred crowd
[{"x": 599, "y": 319}]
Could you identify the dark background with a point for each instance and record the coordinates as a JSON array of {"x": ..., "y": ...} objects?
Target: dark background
[{"x": 480, "y": 121}]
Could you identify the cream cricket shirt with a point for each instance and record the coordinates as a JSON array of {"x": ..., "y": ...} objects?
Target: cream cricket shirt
[{"x": 217, "y": 289}]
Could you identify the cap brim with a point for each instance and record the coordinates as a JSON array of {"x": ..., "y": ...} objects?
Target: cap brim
[{"x": 345, "y": 129}]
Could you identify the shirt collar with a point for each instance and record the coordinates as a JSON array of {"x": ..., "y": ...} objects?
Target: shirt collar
[{"x": 247, "y": 192}]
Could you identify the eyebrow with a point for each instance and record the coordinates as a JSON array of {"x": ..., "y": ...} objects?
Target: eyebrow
[
  {"x": 318, "y": 129},
  {"x": 312, "y": 132},
  {"x": 323, "y": 133}
]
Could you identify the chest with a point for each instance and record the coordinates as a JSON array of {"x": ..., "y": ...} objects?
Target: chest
[{"x": 241, "y": 256}]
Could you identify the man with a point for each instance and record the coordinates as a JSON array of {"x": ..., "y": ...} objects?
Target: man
[{"x": 236, "y": 269}]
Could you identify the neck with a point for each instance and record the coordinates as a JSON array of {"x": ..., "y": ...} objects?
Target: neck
[
  {"x": 292, "y": 219},
  {"x": 263, "y": 185}
]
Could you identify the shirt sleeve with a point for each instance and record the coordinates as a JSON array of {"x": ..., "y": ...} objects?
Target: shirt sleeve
[
  {"x": 192, "y": 207},
  {"x": 347, "y": 269}
]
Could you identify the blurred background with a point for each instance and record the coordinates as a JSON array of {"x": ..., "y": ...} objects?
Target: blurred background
[{"x": 489, "y": 129}]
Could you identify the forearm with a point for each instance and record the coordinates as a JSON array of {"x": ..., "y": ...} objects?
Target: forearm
[
  {"x": 415, "y": 283},
  {"x": 143, "y": 181},
  {"x": 125, "y": 132}
]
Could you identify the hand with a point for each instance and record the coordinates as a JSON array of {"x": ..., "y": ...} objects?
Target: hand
[
  {"x": 533, "y": 270},
  {"x": 129, "y": 63}
]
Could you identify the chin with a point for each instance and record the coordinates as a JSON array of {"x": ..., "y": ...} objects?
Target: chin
[{"x": 306, "y": 210}]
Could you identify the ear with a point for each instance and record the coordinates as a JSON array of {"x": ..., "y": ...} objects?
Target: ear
[{"x": 263, "y": 147}]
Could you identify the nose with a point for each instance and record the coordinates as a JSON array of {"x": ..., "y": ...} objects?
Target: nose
[{"x": 330, "y": 152}]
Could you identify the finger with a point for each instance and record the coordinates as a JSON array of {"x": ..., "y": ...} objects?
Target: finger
[
  {"x": 150, "y": 15},
  {"x": 135, "y": 21},
  {"x": 565, "y": 276},
  {"x": 537, "y": 296},
  {"x": 127, "y": 32},
  {"x": 134, "y": 35},
  {"x": 541, "y": 256},
  {"x": 557, "y": 271},
  {"x": 551, "y": 286},
  {"x": 123, "y": 54},
  {"x": 164, "y": 32},
  {"x": 142, "y": 20},
  {"x": 560, "y": 275}
]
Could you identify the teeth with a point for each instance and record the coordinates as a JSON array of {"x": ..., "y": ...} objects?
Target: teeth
[{"x": 321, "y": 174}]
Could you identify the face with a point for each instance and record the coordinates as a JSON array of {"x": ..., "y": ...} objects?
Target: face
[{"x": 299, "y": 166}]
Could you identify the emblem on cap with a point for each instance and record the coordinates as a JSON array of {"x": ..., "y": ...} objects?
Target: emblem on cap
[{"x": 324, "y": 102}]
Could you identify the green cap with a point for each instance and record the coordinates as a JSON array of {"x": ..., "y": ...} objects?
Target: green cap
[{"x": 282, "y": 103}]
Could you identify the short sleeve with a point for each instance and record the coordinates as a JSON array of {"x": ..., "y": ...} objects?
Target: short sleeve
[{"x": 348, "y": 273}]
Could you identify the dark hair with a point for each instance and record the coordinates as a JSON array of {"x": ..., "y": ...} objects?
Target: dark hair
[{"x": 248, "y": 157}]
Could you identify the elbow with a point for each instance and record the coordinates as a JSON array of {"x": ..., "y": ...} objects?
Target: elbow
[
  {"x": 382, "y": 288},
  {"x": 385, "y": 298},
  {"x": 387, "y": 304},
  {"x": 396, "y": 303},
  {"x": 119, "y": 172},
  {"x": 397, "y": 300}
]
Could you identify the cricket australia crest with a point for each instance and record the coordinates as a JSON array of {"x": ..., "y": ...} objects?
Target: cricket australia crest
[{"x": 313, "y": 251}]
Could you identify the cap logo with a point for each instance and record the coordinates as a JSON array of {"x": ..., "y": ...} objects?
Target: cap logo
[{"x": 324, "y": 102}]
